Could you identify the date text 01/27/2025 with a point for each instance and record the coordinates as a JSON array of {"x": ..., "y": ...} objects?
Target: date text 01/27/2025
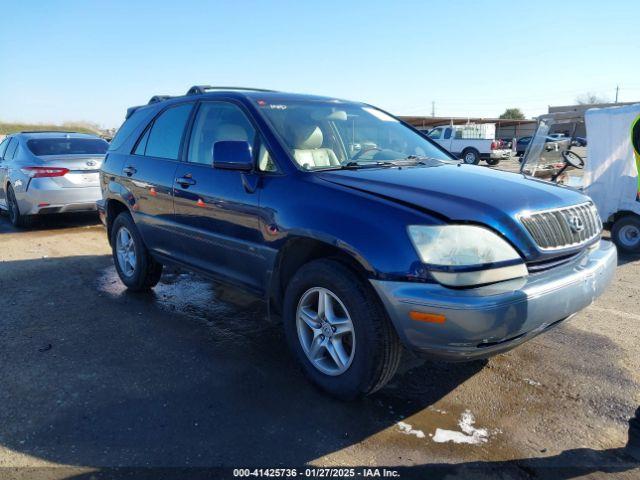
[{"x": 315, "y": 472}]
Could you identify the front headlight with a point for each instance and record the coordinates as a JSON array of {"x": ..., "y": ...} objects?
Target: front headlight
[{"x": 466, "y": 255}]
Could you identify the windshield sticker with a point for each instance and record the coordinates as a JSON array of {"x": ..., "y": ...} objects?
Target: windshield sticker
[
  {"x": 379, "y": 115},
  {"x": 272, "y": 106}
]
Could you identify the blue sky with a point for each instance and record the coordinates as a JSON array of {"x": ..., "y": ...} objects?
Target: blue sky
[{"x": 85, "y": 60}]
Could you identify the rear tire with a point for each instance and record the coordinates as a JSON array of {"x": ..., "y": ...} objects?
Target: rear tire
[
  {"x": 625, "y": 233},
  {"x": 471, "y": 156},
  {"x": 375, "y": 349},
  {"x": 135, "y": 266},
  {"x": 17, "y": 219},
  {"x": 493, "y": 161}
]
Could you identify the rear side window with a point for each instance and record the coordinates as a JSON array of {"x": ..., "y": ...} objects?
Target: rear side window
[
  {"x": 67, "y": 146},
  {"x": 3, "y": 146},
  {"x": 128, "y": 127},
  {"x": 11, "y": 149},
  {"x": 164, "y": 137}
]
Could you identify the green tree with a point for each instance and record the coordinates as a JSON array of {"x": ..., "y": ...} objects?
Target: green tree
[
  {"x": 591, "y": 98},
  {"x": 512, "y": 114}
]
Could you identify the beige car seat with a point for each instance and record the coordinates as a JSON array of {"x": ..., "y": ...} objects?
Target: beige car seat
[{"x": 307, "y": 147}]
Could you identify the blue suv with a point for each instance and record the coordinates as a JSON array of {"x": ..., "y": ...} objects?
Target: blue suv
[{"x": 361, "y": 233}]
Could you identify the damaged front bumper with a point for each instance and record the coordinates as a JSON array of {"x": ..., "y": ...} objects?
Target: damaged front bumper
[{"x": 481, "y": 322}]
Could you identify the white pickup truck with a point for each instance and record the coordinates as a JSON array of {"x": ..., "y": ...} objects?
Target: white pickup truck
[{"x": 471, "y": 142}]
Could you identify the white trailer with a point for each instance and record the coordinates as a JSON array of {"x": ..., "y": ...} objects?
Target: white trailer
[
  {"x": 611, "y": 172},
  {"x": 606, "y": 169}
]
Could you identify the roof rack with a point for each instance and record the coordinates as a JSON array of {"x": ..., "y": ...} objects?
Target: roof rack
[
  {"x": 48, "y": 131},
  {"x": 159, "y": 98},
  {"x": 200, "y": 89}
]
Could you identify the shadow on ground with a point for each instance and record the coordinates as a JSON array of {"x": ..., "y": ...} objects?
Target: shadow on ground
[
  {"x": 624, "y": 258},
  {"x": 93, "y": 375},
  {"x": 51, "y": 222}
]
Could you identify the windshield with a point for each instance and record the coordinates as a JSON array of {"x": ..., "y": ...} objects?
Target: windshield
[
  {"x": 558, "y": 150},
  {"x": 323, "y": 135},
  {"x": 67, "y": 146}
]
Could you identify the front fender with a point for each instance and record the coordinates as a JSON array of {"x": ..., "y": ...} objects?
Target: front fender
[
  {"x": 370, "y": 229},
  {"x": 331, "y": 240}
]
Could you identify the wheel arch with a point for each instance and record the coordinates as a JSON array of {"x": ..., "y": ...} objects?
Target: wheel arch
[
  {"x": 621, "y": 214},
  {"x": 5, "y": 189},
  {"x": 624, "y": 213},
  {"x": 113, "y": 208},
  {"x": 298, "y": 251},
  {"x": 470, "y": 149}
]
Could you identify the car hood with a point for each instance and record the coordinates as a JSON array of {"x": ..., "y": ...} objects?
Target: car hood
[{"x": 464, "y": 193}]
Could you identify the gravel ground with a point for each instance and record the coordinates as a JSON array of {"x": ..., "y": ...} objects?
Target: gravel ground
[{"x": 193, "y": 375}]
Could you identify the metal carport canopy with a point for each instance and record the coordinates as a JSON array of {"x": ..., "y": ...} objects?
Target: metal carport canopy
[{"x": 428, "y": 122}]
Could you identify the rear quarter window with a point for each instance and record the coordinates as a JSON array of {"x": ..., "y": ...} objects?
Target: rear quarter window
[
  {"x": 3, "y": 146},
  {"x": 126, "y": 129},
  {"x": 11, "y": 149}
]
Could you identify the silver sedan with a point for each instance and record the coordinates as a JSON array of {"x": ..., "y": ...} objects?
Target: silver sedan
[{"x": 49, "y": 172}]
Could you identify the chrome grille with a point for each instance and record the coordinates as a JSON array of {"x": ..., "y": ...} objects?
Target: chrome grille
[{"x": 563, "y": 227}]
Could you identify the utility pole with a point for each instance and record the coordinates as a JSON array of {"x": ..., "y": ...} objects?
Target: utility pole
[
  {"x": 433, "y": 109},
  {"x": 617, "y": 90}
]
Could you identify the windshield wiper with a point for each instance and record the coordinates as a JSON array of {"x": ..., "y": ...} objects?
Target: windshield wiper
[
  {"x": 403, "y": 162},
  {"x": 356, "y": 165},
  {"x": 423, "y": 159}
]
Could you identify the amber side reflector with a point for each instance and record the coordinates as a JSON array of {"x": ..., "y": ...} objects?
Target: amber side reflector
[{"x": 427, "y": 317}]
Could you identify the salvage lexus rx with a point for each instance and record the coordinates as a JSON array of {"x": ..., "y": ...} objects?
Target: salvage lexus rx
[{"x": 360, "y": 232}]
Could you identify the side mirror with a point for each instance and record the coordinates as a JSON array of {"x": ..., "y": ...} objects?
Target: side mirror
[{"x": 229, "y": 155}]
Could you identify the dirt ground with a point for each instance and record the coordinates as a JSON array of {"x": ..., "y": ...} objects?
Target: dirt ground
[{"x": 192, "y": 375}]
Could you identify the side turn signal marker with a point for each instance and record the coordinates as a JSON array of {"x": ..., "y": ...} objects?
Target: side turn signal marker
[{"x": 427, "y": 317}]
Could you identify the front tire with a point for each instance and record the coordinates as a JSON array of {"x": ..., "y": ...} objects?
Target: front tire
[
  {"x": 17, "y": 219},
  {"x": 135, "y": 266},
  {"x": 625, "y": 233},
  {"x": 338, "y": 331}
]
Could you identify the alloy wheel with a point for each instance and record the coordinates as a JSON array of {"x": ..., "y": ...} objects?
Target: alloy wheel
[
  {"x": 325, "y": 331},
  {"x": 126, "y": 252}
]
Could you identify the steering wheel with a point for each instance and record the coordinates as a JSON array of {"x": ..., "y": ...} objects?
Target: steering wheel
[
  {"x": 363, "y": 151},
  {"x": 572, "y": 159}
]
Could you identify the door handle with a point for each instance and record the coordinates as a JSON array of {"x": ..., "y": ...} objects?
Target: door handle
[
  {"x": 129, "y": 170},
  {"x": 186, "y": 181}
]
